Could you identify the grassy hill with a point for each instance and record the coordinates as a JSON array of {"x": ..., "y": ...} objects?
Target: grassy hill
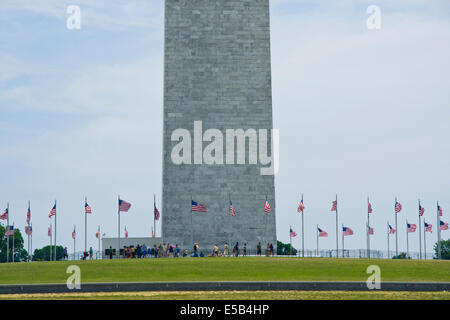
[{"x": 226, "y": 269}]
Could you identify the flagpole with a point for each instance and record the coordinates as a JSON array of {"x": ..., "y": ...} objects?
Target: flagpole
[
  {"x": 407, "y": 239},
  {"x": 13, "y": 243},
  {"x": 154, "y": 218},
  {"x": 337, "y": 232},
  {"x": 368, "y": 229},
  {"x": 231, "y": 224},
  {"x": 420, "y": 235},
  {"x": 28, "y": 229},
  {"x": 55, "y": 231},
  {"x": 424, "y": 242},
  {"x": 75, "y": 236},
  {"x": 290, "y": 239},
  {"x": 303, "y": 231},
  {"x": 388, "y": 253},
  {"x": 85, "y": 225},
  {"x": 396, "y": 229},
  {"x": 51, "y": 249},
  {"x": 7, "y": 232},
  {"x": 438, "y": 229},
  {"x": 118, "y": 229},
  {"x": 32, "y": 242},
  {"x": 99, "y": 249},
  {"x": 317, "y": 239}
]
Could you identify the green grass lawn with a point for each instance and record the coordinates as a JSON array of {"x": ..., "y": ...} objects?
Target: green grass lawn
[{"x": 226, "y": 269}]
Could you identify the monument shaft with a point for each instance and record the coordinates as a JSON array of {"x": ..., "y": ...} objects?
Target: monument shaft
[{"x": 217, "y": 71}]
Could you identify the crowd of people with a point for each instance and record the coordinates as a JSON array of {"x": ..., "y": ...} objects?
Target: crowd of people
[{"x": 174, "y": 251}]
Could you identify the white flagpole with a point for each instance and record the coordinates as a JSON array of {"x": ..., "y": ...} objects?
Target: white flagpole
[
  {"x": 13, "y": 243},
  {"x": 118, "y": 230},
  {"x": 303, "y": 231},
  {"x": 438, "y": 229},
  {"x": 7, "y": 242},
  {"x": 55, "y": 230},
  {"x": 420, "y": 234},
  {"x": 424, "y": 242},
  {"x": 407, "y": 239},
  {"x": 74, "y": 244}
]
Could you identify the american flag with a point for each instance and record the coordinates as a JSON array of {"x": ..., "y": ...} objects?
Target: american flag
[
  {"x": 428, "y": 227},
  {"x": 421, "y": 210},
  {"x": 28, "y": 216},
  {"x": 126, "y": 233},
  {"x": 391, "y": 230},
  {"x": 292, "y": 233},
  {"x": 347, "y": 231},
  {"x": 334, "y": 206},
  {"x": 4, "y": 215},
  {"x": 322, "y": 233},
  {"x": 124, "y": 206},
  {"x": 411, "y": 227},
  {"x": 29, "y": 230},
  {"x": 87, "y": 208},
  {"x": 155, "y": 211},
  {"x": 267, "y": 207},
  {"x": 301, "y": 207},
  {"x": 73, "y": 233},
  {"x": 233, "y": 213},
  {"x": 398, "y": 207},
  {"x": 52, "y": 212},
  {"x": 371, "y": 231},
  {"x": 439, "y": 208},
  {"x": 198, "y": 207},
  {"x": 443, "y": 225},
  {"x": 9, "y": 231},
  {"x": 50, "y": 231},
  {"x": 97, "y": 234},
  {"x": 369, "y": 208}
]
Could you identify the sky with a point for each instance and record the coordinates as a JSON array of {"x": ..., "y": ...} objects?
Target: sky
[{"x": 360, "y": 112}]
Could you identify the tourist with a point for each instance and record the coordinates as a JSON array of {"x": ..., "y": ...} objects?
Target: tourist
[
  {"x": 110, "y": 252},
  {"x": 216, "y": 250},
  {"x": 91, "y": 253},
  {"x": 138, "y": 251},
  {"x": 177, "y": 251},
  {"x": 66, "y": 255},
  {"x": 258, "y": 249},
  {"x": 185, "y": 253},
  {"x": 225, "y": 249},
  {"x": 271, "y": 250},
  {"x": 236, "y": 249},
  {"x": 171, "y": 251}
]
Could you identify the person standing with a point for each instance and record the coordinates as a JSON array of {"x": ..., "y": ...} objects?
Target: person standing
[
  {"x": 258, "y": 249},
  {"x": 216, "y": 250},
  {"x": 110, "y": 252},
  {"x": 225, "y": 250},
  {"x": 236, "y": 249},
  {"x": 91, "y": 253},
  {"x": 245, "y": 249}
]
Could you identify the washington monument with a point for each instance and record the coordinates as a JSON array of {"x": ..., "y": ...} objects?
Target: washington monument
[{"x": 218, "y": 130}]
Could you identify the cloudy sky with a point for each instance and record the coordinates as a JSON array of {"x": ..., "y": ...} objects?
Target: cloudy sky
[{"x": 360, "y": 112}]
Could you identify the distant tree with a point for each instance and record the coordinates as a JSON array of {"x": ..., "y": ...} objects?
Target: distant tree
[
  {"x": 401, "y": 255},
  {"x": 20, "y": 254},
  {"x": 284, "y": 249},
  {"x": 445, "y": 249},
  {"x": 43, "y": 254}
]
